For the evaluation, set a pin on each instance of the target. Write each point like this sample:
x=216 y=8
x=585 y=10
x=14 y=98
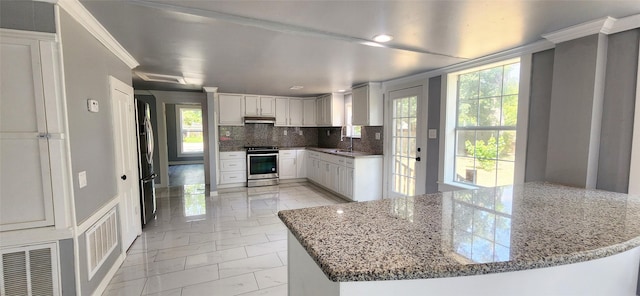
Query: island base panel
x=613 y=275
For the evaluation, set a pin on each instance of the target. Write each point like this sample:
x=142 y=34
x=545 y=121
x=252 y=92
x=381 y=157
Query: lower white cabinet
x=233 y=167
x=291 y=164
x=358 y=179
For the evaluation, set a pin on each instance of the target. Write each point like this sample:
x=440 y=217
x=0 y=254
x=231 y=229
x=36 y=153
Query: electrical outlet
x=377 y=136
x=227 y=133
x=433 y=133
x=328 y=133
x=285 y=132
x=300 y=132
x=82 y=179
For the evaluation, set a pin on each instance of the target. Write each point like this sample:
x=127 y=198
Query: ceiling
x=265 y=47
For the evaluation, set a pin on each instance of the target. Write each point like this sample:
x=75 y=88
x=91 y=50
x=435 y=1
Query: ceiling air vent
x=161 y=78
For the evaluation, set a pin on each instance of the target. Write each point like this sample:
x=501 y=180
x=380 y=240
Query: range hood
x=259 y=119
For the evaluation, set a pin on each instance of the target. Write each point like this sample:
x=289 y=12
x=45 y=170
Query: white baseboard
x=109 y=276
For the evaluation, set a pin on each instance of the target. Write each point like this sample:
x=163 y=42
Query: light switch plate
x=82 y=179
x=377 y=136
x=92 y=106
x=433 y=133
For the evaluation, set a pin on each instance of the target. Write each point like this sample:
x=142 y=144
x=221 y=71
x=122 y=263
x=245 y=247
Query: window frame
x=348 y=117
x=449 y=121
x=179 y=129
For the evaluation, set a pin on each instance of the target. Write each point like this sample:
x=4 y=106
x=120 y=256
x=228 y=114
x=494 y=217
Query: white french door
x=126 y=161
x=405 y=169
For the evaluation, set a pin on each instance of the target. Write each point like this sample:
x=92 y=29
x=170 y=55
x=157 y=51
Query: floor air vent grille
x=102 y=239
x=29 y=271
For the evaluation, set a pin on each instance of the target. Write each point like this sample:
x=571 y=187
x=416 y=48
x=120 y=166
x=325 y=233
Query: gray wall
x=67 y=274
x=433 y=145
x=27 y=15
x=539 y=108
x=574 y=106
x=172 y=136
x=151 y=100
x=87 y=65
x=618 y=111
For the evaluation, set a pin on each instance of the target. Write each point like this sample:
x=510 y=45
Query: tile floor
x=186 y=174
x=230 y=244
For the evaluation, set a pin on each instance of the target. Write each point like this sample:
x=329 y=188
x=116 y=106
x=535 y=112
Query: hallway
x=230 y=244
x=186 y=174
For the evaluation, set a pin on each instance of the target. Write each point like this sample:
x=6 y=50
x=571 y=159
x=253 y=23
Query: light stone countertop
x=468 y=232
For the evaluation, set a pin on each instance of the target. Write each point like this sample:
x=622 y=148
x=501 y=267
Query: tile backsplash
x=233 y=138
x=255 y=134
x=367 y=142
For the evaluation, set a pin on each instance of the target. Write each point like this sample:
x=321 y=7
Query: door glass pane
x=404 y=145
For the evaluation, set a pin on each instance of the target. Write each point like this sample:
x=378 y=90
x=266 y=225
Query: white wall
x=634 y=174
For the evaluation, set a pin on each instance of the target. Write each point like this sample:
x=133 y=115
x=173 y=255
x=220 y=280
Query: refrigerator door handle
x=150 y=143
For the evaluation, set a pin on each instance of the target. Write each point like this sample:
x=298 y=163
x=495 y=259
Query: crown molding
x=89 y=22
x=210 y=89
x=603 y=26
x=626 y=23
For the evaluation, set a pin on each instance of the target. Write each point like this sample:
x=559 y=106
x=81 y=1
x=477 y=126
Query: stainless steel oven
x=262 y=166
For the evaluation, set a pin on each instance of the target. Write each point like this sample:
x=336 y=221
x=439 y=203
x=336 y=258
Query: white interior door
x=126 y=160
x=405 y=169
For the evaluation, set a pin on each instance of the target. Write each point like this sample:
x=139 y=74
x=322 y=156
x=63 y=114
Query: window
x=190 y=136
x=485 y=124
x=352 y=131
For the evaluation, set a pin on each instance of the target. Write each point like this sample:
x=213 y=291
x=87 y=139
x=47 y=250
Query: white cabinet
x=295 y=112
x=259 y=106
x=282 y=112
x=289 y=112
x=357 y=179
x=309 y=111
x=230 y=109
x=233 y=167
x=291 y=164
x=367 y=105
x=330 y=110
x=30 y=135
x=301 y=163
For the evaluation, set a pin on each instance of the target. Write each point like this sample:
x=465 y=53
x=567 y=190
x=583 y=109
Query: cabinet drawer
x=231 y=165
x=233 y=155
x=232 y=177
x=287 y=153
x=349 y=162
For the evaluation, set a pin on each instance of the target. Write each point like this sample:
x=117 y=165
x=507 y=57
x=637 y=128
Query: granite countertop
x=466 y=232
x=336 y=151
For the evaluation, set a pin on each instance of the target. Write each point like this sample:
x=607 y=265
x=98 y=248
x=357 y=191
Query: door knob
x=123 y=177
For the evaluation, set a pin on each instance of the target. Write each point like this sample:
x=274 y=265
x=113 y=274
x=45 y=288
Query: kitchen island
x=532 y=239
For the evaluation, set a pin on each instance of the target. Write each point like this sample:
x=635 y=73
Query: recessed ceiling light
x=382 y=38
x=297 y=87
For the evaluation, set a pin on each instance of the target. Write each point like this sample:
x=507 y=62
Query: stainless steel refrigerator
x=145 y=162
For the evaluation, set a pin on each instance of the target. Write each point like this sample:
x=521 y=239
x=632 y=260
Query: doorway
x=185 y=141
x=405 y=173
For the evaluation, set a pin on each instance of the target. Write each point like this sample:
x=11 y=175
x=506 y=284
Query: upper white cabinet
x=367 y=105
x=282 y=112
x=289 y=112
x=259 y=106
x=230 y=109
x=30 y=135
x=330 y=110
x=295 y=112
x=309 y=113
